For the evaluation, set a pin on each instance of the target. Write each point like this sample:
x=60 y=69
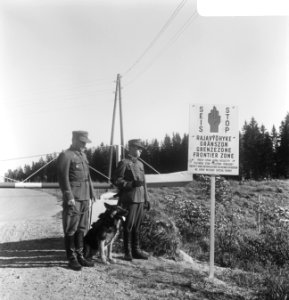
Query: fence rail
x=153 y=180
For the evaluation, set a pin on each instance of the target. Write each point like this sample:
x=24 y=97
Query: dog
x=103 y=233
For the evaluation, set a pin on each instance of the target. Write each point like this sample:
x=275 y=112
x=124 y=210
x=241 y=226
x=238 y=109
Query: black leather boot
x=79 y=250
x=127 y=245
x=70 y=253
x=137 y=253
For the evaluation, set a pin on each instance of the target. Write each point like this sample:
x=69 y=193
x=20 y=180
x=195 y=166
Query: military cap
x=81 y=136
x=136 y=143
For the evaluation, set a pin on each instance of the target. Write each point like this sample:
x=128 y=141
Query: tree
x=251 y=144
x=166 y=155
x=282 y=153
x=275 y=144
x=266 y=155
x=100 y=162
x=151 y=155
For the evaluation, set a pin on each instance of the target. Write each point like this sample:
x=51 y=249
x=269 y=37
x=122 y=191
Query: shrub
x=276 y=284
x=159 y=234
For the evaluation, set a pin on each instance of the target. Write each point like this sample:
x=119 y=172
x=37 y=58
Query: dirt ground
x=33 y=265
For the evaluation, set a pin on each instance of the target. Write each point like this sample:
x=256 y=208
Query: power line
x=163 y=29
x=100 y=173
x=40 y=169
x=144 y=162
x=170 y=43
x=25 y=157
x=9 y=178
x=39 y=155
x=66 y=97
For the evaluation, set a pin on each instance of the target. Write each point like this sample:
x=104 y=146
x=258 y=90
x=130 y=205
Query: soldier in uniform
x=77 y=190
x=129 y=177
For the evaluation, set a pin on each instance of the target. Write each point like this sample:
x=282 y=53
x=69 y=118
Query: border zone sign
x=213 y=139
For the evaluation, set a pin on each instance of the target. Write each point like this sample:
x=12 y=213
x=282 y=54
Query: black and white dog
x=103 y=233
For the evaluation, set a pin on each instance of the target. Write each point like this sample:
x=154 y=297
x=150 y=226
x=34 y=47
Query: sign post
x=213 y=150
x=212 y=228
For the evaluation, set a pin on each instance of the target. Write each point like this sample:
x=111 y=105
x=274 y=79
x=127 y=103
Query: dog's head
x=116 y=212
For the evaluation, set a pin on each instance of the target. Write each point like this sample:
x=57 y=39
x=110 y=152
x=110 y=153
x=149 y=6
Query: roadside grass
x=251 y=229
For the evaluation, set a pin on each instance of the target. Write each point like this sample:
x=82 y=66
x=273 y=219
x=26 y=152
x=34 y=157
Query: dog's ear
x=107 y=206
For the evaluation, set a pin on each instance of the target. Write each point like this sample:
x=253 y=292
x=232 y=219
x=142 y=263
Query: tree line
x=262 y=154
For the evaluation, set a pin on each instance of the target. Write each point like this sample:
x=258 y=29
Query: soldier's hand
x=147 y=205
x=137 y=183
x=71 y=202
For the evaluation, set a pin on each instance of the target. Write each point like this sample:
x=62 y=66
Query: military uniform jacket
x=73 y=175
x=127 y=171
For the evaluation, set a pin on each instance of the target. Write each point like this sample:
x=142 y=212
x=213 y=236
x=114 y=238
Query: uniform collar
x=72 y=148
x=132 y=158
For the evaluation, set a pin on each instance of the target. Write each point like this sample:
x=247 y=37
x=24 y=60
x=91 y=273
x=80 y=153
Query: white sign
x=213 y=140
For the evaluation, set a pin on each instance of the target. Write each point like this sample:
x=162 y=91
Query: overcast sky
x=59 y=62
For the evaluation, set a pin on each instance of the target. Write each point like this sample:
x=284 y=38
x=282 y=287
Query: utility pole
x=117 y=97
x=120 y=119
x=112 y=129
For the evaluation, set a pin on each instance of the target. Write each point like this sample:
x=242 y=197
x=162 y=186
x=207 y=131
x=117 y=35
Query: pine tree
x=100 y=162
x=251 y=150
x=166 y=155
x=283 y=149
x=184 y=152
x=266 y=154
x=275 y=144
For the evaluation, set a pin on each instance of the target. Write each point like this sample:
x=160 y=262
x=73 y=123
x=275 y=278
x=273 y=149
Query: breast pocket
x=76 y=165
x=77 y=172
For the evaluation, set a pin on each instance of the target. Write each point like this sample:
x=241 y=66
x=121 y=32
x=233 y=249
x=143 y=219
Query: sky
x=59 y=63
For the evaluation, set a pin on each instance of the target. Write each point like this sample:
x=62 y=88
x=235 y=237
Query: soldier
x=129 y=177
x=77 y=190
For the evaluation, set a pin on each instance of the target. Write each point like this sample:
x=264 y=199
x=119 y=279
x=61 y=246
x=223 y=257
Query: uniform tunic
x=131 y=198
x=75 y=183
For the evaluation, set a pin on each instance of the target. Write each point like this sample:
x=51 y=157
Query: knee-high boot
x=127 y=245
x=136 y=251
x=79 y=250
x=70 y=253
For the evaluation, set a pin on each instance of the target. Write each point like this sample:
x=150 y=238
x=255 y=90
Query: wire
x=65 y=107
x=57 y=90
x=163 y=29
x=40 y=169
x=9 y=178
x=64 y=97
x=24 y=157
x=170 y=43
x=99 y=172
x=38 y=155
x=147 y=164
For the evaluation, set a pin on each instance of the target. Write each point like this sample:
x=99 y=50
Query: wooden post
x=259 y=213
x=112 y=129
x=121 y=119
x=212 y=228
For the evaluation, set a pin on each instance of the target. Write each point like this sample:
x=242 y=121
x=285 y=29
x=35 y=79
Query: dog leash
x=90 y=213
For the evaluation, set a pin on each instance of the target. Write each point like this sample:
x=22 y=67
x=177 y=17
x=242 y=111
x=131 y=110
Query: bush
x=276 y=284
x=159 y=235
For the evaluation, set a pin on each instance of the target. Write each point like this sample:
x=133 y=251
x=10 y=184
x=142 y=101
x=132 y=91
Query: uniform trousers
x=135 y=216
x=75 y=217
